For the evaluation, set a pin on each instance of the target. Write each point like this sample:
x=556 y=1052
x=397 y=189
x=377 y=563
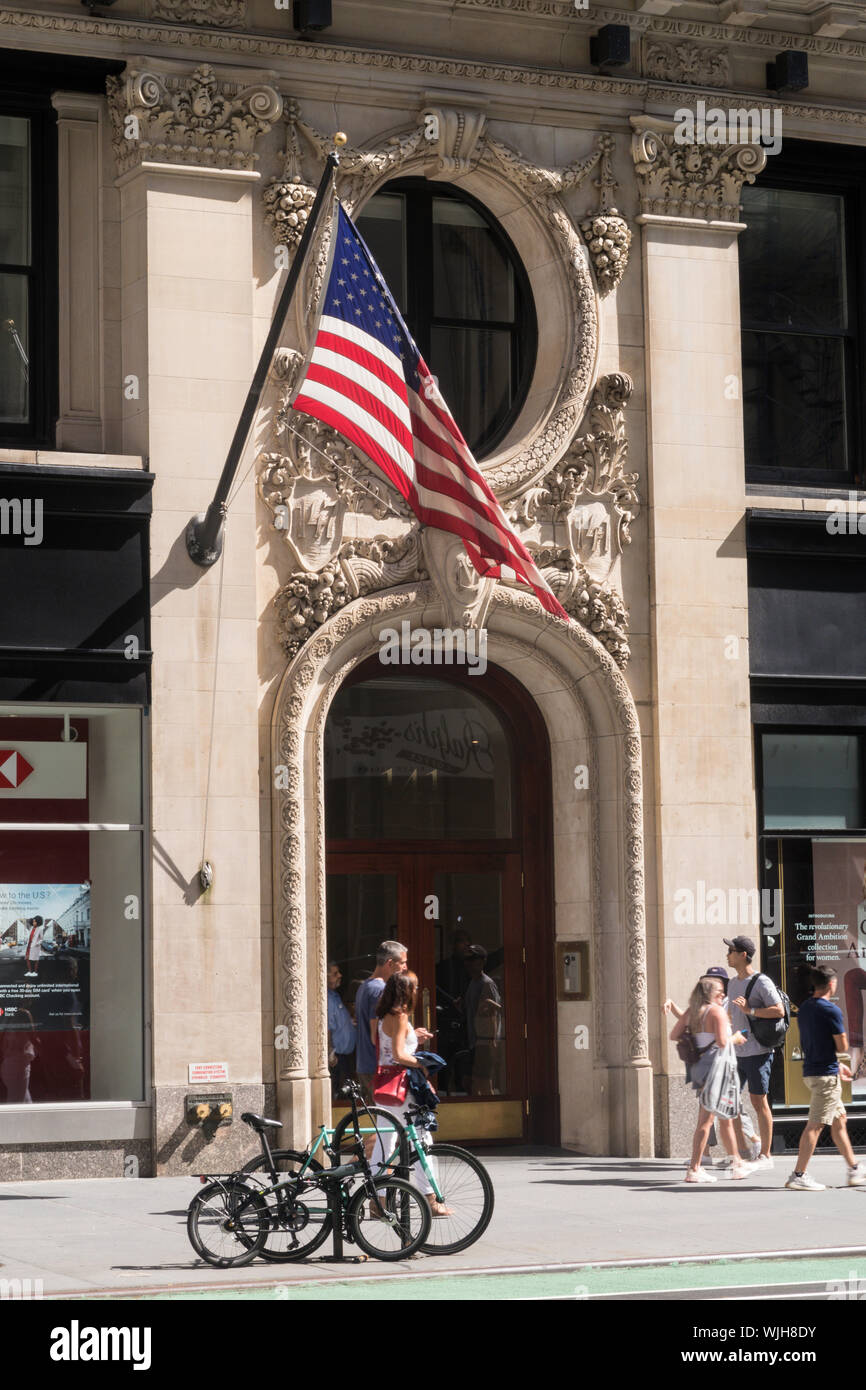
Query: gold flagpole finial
x=341 y=139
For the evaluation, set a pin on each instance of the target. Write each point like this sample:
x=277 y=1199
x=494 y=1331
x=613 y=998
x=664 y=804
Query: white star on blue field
x=357 y=294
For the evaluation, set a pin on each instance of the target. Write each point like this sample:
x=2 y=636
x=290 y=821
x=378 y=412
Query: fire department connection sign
x=200 y=1072
x=43 y=771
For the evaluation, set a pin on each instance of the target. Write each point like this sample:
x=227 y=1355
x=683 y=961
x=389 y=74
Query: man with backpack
x=756 y=1007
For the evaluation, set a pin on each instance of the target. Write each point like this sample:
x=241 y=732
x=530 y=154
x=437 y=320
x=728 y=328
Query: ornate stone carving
x=607 y=235
x=361 y=171
x=298 y=910
x=689 y=180
x=194 y=119
x=537 y=181
x=692 y=63
x=466 y=596
x=225 y=14
x=576 y=521
x=362 y=567
x=452 y=137
x=288 y=199
x=311 y=487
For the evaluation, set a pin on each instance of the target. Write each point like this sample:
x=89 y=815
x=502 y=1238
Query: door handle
x=425 y=1006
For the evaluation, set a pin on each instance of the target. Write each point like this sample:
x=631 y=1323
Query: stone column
x=184 y=143
x=705 y=806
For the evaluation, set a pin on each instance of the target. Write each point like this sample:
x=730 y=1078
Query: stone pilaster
x=705 y=812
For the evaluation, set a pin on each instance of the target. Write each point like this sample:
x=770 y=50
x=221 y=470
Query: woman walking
x=397 y=1042
x=713 y=1075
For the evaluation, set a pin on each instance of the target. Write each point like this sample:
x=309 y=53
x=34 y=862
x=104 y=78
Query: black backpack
x=770 y=1032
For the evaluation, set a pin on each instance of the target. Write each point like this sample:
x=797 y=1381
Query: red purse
x=390 y=1086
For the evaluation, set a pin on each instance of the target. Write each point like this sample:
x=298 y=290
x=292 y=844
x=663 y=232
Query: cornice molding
x=138 y=32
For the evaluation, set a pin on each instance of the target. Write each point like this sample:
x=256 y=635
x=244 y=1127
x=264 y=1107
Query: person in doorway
x=753 y=995
x=342 y=1036
x=33 y=953
x=713 y=1076
x=483 y=1005
x=825 y=1054
x=391 y=959
x=451 y=982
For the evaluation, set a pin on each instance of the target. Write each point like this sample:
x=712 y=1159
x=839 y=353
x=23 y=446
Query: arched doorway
x=438 y=832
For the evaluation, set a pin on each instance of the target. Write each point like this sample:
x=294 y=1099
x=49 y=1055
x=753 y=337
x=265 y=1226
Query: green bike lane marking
x=577 y=1283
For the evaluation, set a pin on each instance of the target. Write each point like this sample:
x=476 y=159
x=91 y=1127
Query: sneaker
x=740 y=1170
x=857 y=1176
x=763 y=1161
x=801 y=1182
x=700 y=1176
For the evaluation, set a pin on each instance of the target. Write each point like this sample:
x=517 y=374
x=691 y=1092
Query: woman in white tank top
x=710 y=1027
x=398 y=1042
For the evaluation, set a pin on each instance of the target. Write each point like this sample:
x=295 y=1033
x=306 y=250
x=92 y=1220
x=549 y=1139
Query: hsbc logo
x=14 y=769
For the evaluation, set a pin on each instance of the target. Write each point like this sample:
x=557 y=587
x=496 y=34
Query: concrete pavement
x=552 y=1210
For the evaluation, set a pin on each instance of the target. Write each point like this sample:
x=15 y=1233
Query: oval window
x=465 y=296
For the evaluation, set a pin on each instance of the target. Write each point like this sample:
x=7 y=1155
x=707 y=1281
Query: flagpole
x=204 y=533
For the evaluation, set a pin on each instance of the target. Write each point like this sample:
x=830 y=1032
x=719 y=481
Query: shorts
x=825 y=1105
x=754 y=1073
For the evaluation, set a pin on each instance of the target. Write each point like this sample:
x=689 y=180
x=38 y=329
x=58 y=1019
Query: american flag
x=366 y=378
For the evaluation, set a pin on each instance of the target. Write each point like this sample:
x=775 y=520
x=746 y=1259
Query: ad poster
x=834 y=933
x=44 y=992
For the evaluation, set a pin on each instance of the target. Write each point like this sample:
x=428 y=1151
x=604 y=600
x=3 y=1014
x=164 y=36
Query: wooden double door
x=440 y=903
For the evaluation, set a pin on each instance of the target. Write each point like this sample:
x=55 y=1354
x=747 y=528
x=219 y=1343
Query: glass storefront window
x=812 y=781
x=71 y=905
x=818 y=918
x=415 y=759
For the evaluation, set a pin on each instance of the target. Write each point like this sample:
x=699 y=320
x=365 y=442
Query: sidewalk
x=551 y=1209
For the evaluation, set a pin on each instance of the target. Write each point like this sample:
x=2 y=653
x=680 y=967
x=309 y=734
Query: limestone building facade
x=608 y=800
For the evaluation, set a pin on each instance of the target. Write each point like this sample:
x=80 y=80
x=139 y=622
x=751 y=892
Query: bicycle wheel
x=381 y=1131
x=298 y=1224
x=466 y=1189
x=227 y=1224
x=400 y=1230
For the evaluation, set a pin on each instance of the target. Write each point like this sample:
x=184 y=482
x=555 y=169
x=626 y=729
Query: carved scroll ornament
x=195 y=119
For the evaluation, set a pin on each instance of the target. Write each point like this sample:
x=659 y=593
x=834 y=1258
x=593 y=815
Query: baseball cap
x=741 y=943
x=715 y=972
x=475 y=951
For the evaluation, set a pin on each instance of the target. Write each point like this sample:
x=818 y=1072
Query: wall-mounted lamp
x=788 y=72
x=611 y=46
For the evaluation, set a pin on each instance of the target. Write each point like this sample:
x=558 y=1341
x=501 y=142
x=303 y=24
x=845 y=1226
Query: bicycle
x=386 y=1217
x=458 y=1179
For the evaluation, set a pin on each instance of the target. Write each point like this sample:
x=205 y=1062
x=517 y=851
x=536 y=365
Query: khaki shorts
x=826 y=1103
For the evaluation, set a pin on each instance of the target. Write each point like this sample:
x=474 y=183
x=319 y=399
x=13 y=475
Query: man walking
x=825 y=1053
x=391 y=959
x=752 y=995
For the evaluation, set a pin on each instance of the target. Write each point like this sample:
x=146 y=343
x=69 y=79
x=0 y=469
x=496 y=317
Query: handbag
x=688 y=1050
x=390 y=1086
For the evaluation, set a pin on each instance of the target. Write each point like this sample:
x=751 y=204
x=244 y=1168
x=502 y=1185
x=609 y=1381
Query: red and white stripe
x=357 y=385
